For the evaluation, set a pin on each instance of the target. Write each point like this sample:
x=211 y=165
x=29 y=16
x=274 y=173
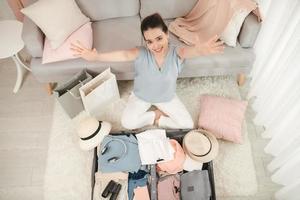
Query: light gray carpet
x=67 y=172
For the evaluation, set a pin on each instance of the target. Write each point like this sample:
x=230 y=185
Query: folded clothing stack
x=154 y=147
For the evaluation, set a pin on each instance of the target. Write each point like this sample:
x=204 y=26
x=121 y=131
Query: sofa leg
x=49 y=88
x=241 y=79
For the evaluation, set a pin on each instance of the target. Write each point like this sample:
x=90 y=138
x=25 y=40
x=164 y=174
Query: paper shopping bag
x=99 y=93
x=68 y=94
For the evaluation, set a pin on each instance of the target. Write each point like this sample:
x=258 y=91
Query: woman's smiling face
x=156 y=40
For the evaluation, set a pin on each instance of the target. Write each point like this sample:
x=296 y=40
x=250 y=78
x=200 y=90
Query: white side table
x=10 y=44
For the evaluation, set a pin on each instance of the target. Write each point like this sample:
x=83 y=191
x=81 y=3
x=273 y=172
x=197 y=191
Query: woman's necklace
x=160 y=60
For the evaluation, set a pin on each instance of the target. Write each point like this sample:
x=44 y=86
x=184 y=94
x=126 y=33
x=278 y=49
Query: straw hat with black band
x=91 y=132
x=200 y=145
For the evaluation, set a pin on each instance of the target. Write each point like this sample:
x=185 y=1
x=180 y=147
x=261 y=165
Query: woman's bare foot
x=158 y=114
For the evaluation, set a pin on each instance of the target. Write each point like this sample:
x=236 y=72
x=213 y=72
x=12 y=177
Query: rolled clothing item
x=102 y=179
x=175 y=165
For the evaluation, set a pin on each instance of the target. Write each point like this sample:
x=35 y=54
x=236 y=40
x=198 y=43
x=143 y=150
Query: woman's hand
x=81 y=51
x=212 y=46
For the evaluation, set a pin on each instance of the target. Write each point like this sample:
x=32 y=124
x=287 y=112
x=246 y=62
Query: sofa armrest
x=249 y=31
x=33 y=38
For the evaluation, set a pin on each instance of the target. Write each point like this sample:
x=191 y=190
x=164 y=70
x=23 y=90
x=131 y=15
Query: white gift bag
x=100 y=92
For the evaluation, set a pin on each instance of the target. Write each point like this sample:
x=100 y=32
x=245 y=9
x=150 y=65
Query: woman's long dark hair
x=153 y=21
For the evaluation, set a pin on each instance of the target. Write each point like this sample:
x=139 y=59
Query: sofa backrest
x=106 y=9
x=168 y=9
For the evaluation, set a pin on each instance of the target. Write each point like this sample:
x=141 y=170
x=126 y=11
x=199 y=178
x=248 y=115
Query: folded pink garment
x=168 y=188
x=208 y=18
x=141 y=193
x=175 y=165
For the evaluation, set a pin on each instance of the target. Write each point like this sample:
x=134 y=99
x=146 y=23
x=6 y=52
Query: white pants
x=136 y=114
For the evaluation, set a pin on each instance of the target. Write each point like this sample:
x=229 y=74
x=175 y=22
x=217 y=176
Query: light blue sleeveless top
x=150 y=83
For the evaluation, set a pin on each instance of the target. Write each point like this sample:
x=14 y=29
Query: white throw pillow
x=56 y=18
x=233 y=28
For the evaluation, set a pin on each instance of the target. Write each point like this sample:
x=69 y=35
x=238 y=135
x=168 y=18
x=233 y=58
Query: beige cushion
x=56 y=18
x=232 y=30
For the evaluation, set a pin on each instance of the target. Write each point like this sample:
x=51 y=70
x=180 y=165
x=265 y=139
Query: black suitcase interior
x=172 y=134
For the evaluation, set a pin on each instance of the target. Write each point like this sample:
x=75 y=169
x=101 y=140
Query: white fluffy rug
x=68 y=168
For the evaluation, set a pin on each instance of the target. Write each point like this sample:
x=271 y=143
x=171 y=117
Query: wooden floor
x=25 y=119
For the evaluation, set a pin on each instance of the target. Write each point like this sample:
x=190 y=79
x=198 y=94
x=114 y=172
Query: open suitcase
x=152 y=185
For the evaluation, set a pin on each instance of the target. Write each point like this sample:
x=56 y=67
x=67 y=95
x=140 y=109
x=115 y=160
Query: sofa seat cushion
x=117 y=34
x=64 y=70
x=232 y=61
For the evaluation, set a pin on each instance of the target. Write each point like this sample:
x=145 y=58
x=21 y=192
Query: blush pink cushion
x=84 y=34
x=222 y=116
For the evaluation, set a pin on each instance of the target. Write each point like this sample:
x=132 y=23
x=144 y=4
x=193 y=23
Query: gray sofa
x=116 y=25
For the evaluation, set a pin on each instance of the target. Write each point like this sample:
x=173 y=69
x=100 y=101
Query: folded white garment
x=154 y=147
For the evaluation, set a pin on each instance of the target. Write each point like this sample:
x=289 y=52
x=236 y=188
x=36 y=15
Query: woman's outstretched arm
x=113 y=56
x=212 y=46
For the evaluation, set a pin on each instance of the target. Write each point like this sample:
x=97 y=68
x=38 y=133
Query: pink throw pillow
x=84 y=34
x=222 y=116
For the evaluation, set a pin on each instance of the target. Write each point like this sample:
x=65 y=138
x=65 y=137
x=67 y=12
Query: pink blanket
x=209 y=18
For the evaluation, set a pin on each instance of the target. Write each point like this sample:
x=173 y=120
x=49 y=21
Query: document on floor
x=154 y=146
